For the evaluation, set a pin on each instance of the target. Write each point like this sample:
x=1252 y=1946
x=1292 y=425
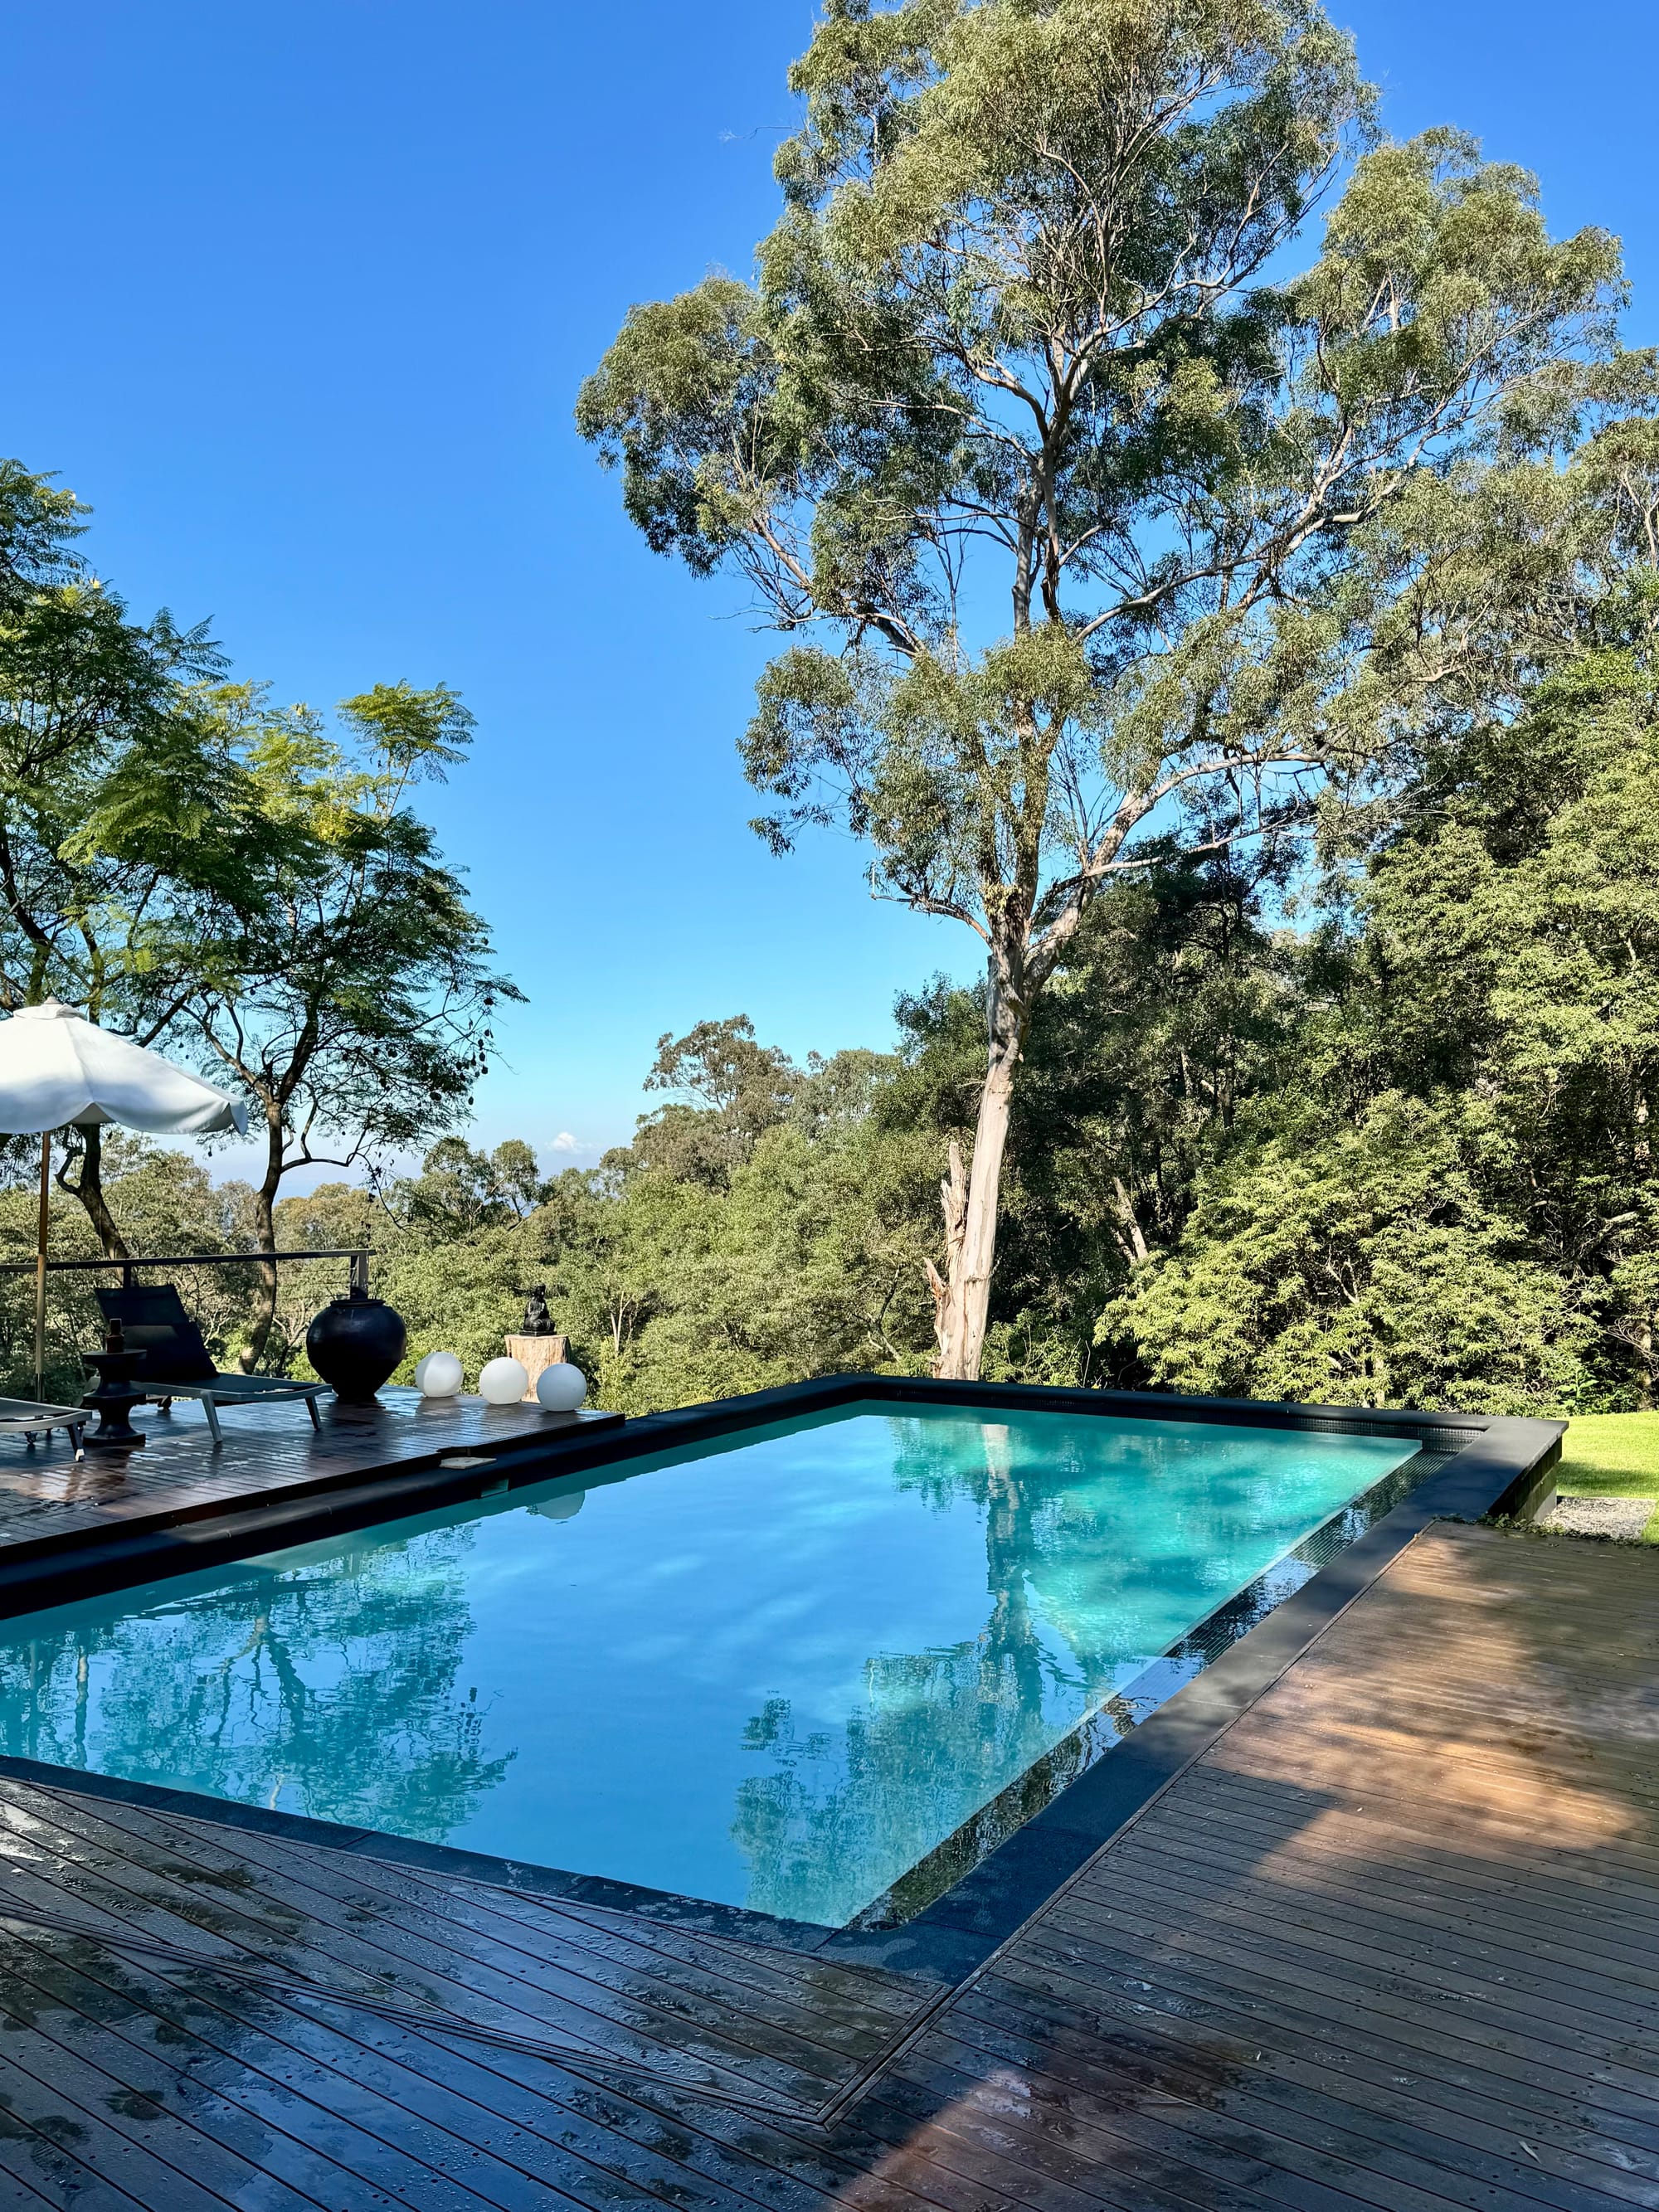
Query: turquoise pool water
x=776 y=1673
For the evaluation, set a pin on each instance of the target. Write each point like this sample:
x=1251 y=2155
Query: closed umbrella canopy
x=57 y=1068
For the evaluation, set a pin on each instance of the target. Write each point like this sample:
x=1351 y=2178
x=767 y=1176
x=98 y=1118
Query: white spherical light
x=504 y=1381
x=561 y=1388
x=440 y=1375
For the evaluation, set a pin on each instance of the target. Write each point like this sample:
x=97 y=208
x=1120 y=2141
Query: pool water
x=776 y=1671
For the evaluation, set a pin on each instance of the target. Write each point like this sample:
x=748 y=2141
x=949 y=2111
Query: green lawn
x=1612 y=1455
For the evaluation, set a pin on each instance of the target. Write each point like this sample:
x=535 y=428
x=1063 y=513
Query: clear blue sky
x=299 y=297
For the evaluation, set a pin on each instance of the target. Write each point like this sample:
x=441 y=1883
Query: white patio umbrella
x=57 y=1069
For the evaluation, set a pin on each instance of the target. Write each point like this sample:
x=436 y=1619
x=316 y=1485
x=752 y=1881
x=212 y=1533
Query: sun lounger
x=22 y=1417
x=178 y=1364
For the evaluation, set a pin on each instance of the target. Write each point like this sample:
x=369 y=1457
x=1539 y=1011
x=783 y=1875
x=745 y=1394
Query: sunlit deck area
x=1387 y=1940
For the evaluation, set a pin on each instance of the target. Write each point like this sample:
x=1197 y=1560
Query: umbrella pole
x=40 y=1266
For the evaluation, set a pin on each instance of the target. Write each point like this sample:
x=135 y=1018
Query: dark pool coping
x=1500 y=1465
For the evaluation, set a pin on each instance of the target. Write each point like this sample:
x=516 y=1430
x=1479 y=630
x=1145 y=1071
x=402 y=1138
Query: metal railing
x=358 y=1255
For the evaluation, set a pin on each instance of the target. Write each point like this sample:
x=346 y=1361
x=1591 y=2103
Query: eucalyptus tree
x=726 y=1091
x=1095 y=533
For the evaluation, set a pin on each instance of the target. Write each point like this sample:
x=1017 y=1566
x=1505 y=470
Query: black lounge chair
x=178 y=1364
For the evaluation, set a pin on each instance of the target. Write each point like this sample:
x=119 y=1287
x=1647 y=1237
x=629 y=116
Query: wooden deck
x=1389 y=1943
x=49 y=1503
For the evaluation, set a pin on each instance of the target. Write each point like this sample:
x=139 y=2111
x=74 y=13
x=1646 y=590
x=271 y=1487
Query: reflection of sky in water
x=777 y=1676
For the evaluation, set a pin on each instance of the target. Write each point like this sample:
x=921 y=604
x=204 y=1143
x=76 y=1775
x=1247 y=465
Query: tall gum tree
x=1096 y=535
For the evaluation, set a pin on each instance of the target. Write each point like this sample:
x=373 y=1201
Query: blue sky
x=299 y=300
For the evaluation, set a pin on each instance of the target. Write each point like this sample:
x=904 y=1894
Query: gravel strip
x=1625 y=1517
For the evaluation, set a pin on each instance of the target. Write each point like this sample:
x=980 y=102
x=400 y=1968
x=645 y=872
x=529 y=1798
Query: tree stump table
x=536 y=1353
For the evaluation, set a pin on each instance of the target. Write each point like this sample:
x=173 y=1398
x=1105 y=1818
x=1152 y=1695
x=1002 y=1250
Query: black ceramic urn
x=354 y=1343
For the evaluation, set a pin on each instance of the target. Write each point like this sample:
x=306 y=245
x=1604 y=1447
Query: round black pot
x=354 y=1343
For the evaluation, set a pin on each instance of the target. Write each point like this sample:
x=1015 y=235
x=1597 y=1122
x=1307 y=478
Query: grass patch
x=1612 y=1455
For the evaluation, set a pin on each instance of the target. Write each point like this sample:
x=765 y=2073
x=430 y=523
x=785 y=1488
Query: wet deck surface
x=48 y=1501
x=1389 y=1943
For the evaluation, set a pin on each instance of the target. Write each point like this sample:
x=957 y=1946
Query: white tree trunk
x=962 y=1297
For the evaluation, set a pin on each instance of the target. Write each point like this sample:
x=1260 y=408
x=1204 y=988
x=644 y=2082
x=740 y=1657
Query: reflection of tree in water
x=1085 y=1585
x=333 y=1687
x=842 y=1811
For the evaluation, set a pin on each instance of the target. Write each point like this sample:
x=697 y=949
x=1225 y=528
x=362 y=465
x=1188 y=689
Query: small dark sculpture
x=537 y=1321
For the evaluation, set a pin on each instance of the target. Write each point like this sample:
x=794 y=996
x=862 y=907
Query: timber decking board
x=391 y=1958
x=47 y=1500
x=1387 y=1945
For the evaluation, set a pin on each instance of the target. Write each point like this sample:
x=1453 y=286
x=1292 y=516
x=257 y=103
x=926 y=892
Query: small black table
x=117 y=1393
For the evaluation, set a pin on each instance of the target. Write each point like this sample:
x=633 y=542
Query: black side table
x=116 y=1395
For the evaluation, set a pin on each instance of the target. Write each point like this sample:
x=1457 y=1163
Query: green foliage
x=39 y=524
x=345 y=979
x=1015 y=314
x=773 y=1229
x=1107 y=538
x=728 y=1090
x=1398 y=1154
x=809 y=1262
x=93 y=707
x=247 y=886
x=1359 y=1267
x=460 y=1190
x=1451 y=1200
x=1247 y=634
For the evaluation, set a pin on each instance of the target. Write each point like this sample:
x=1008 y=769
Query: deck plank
x=1123 y=2071
x=1443 y=1956
x=390 y=2133
x=181 y=2075
x=1124 y=2059
x=1108 y=2008
x=628 y=2037
x=346 y=1934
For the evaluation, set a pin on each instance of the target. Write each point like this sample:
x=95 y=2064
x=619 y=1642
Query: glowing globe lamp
x=439 y=1375
x=504 y=1381
x=561 y=1388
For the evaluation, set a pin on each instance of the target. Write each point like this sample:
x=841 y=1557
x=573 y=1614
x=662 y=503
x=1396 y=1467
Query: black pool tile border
x=1497 y=1465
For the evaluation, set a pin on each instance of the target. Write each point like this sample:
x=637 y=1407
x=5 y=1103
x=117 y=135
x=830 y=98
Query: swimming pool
x=776 y=1671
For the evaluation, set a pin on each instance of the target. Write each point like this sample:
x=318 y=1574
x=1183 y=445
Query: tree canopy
x=1394 y=1147
x=1093 y=532
x=1216 y=550
x=241 y=885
